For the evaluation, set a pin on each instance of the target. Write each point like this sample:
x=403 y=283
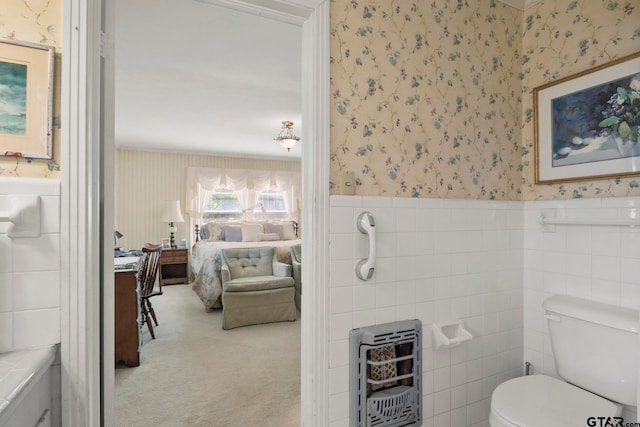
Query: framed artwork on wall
x=587 y=125
x=26 y=99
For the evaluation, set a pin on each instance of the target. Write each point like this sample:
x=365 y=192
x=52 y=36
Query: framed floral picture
x=26 y=99
x=587 y=125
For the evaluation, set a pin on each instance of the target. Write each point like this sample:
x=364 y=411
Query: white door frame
x=80 y=218
x=87 y=217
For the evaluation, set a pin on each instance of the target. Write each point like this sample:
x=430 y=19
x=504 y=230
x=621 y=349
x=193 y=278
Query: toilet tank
x=595 y=346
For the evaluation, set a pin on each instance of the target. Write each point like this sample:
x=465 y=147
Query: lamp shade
x=288 y=143
x=172 y=212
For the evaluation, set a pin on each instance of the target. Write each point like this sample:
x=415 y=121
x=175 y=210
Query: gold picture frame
x=586 y=126
x=26 y=99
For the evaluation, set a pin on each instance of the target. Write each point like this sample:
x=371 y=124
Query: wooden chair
x=146 y=277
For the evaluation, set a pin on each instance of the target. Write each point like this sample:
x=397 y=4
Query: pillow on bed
x=251 y=232
x=260 y=223
x=269 y=237
x=270 y=228
x=204 y=232
x=214 y=230
x=232 y=233
x=288 y=232
x=284 y=229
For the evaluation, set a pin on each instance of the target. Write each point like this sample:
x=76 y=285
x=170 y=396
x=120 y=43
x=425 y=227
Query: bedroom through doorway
x=183 y=380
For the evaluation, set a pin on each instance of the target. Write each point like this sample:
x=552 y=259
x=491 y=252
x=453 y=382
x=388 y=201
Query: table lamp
x=172 y=214
x=116 y=235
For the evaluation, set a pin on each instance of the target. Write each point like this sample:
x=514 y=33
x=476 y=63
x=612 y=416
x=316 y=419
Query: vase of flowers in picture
x=622 y=118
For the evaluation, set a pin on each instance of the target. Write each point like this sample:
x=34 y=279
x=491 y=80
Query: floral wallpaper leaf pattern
x=564 y=38
x=422 y=107
x=433 y=99
x=35 y=21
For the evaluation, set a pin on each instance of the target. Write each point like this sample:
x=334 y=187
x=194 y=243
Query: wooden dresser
x=127 y=330
x=174 y=266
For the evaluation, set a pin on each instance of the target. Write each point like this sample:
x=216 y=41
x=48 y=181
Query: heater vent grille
x=383 y=409
x=386 y=375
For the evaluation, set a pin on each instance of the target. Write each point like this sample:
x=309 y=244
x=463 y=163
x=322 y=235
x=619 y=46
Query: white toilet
x=595 y=348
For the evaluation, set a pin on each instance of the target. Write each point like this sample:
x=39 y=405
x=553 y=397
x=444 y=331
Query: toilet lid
x=540 y=400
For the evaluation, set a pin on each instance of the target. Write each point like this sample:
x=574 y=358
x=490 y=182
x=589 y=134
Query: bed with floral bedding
x=212 y=237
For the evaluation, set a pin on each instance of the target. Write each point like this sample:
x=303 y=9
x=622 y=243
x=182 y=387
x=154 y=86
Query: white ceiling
x=195 y=77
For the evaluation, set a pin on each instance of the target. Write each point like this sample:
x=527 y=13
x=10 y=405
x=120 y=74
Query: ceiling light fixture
x=286 y=137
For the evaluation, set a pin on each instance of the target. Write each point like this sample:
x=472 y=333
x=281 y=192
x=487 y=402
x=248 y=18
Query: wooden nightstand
x=174 y=266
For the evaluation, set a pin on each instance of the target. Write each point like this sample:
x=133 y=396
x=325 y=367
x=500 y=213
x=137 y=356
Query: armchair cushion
x=257 y=283
x=248 y=262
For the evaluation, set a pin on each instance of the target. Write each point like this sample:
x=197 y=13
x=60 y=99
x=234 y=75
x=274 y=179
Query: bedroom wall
x=145 y=179
x=41 y=23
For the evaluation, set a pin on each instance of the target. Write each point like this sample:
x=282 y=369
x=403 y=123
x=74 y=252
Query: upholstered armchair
x=256 y=288
x=296 y=264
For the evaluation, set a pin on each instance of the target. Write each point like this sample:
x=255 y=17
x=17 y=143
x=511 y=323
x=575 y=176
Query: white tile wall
x=594 y=262
x=489 y=263
x=30 y=271
x=437 y=260
x=601 y=263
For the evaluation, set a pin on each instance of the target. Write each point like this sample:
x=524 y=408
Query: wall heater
x=386 y=374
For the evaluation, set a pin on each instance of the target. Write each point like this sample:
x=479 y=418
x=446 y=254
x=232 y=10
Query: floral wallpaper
x=426 y=98
x=561 y=38
x=35 y=21
x=434 y=99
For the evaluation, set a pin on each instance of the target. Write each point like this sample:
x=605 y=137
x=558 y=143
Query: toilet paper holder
x=449 y=334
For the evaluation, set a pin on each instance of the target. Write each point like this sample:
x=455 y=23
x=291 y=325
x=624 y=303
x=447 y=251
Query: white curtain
x=247 y=199
x=246 y=183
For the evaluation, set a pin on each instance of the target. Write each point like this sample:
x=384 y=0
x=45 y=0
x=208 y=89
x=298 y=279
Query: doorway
x=85 y=190
x=215 y=72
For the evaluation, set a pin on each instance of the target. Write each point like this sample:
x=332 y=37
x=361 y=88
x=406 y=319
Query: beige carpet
x=196 y=374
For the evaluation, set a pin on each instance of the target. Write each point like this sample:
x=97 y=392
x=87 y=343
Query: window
x=224 y=205
x=273 y=203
